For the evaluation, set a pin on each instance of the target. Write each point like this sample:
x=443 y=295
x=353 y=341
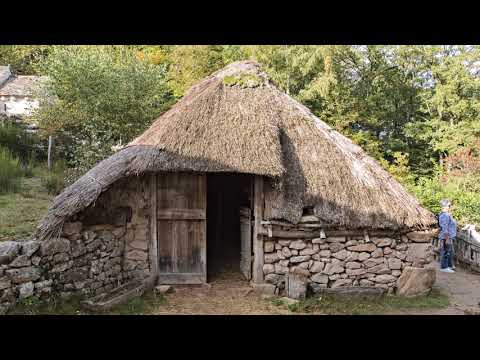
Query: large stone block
x=30 y=247
x=363 y=248
x=416 y=281
x=420 y=253
x=421 y=236
x=23 y=275
x=338 y=239
x=385 y=279
x=8 y=251
x=268 y=269
x=331 y=269
x=71 y=228
x=298 y=245
x=54 y=246
x=336 y=247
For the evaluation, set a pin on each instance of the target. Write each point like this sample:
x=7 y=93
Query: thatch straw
x=236 y=120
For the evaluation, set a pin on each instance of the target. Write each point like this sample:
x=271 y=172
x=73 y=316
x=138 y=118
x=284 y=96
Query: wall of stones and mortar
x=345 y=260
x=99 y=249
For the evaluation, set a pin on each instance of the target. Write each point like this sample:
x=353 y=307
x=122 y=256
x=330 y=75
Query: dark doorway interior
x=226 y=194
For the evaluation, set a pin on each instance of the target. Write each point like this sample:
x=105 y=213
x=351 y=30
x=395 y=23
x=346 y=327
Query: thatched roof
x=22 y=85
x=236 y=120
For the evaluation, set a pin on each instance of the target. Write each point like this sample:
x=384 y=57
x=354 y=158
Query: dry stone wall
x=337 y=261
x=98 y=250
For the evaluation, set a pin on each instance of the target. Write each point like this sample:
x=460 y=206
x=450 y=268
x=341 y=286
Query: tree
x=99 y=97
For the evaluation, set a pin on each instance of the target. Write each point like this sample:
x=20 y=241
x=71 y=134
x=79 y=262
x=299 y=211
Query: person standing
x=448 y=232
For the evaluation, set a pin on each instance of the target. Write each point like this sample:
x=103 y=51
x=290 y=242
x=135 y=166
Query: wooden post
x=153 y=226
x=49 y=161
x=257 y=237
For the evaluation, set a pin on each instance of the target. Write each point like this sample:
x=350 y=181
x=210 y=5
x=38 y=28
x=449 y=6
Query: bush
x=20 y=143
x=54 y=180
x=10 y=172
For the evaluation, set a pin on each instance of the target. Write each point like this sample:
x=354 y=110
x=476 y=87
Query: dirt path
x=231 y=294
x=463 y=288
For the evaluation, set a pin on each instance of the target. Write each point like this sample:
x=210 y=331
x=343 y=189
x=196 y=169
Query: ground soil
x=230 y=294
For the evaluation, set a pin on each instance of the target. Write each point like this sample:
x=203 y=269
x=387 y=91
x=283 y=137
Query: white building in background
x=18 y=93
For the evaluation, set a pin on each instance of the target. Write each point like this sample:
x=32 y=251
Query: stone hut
x=236 y=175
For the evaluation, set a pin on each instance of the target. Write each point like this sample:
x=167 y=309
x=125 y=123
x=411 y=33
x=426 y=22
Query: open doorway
x=229 y=197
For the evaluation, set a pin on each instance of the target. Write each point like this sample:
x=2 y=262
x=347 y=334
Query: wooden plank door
x=181 y=228
x=246 y=243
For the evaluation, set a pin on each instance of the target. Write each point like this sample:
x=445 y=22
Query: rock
x=94 y=245
x=270 y=258
x=89 y=236
x=415 y=281
x=377 y=253
x=304 y=265
x=319 y=241
x=286 y=252
x=71 y=228
x=324 y=246
x=316 y=287
x=36 y=260
x=317 y=266
x=363 y=248
x=268 y=246
x=394 y=263
x=61 y=257
x=472 y=311
x=400 y=255
x=278 y=246
x=384 y=279
x=43 y=284
x=137 y=255
x=284 y=242
x=372 y=262
x=421 y=236
x=325 y=253
x=297 y=259
x=297 y=245
x=21 y=261
x=365 y=282
x=341 y=255
x=281 y=269
x=316 y=247
x=363 y=256
x=280 y=255
x=54 y=246
x=336 y=247
x=338 y=239
x=331 y=269
x=60 y=267
x=355 y=272
x=402 y=247
x=268 y=269
x=25 y=290
x=382 y=242
x=8 y=251
x=5 y=283
x=265 y=289
x=353 y=265
x=23 y=275
x=274 y=279
x=30 y=247
x=420 y=253
x=396 y=272
x=352 y=256
x=285 y=262
x=299 y=270
x=379 y=269
x=307 y=252
x=164 y=289
x=296 y=285
x=387 y=251
x=342 y=282
x=320 y=278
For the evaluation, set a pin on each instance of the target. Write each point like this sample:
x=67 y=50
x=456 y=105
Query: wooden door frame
x=257 y=238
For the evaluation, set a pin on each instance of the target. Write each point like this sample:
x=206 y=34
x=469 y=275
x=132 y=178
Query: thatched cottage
x=236 y=174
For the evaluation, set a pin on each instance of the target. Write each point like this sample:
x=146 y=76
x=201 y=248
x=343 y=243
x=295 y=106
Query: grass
x=343 y=305
x=56 y=306
x=20 y=211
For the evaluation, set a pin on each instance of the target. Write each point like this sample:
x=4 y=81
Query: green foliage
x=99 y=97
x=243 y=80
x=356 y=305
x=10 y=172
x=23 y=58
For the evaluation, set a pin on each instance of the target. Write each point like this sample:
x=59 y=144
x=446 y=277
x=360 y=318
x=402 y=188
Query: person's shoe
x=447 y=270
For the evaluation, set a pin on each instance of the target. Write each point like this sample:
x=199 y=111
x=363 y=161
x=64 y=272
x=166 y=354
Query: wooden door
x=181 y=228
x=246 y=242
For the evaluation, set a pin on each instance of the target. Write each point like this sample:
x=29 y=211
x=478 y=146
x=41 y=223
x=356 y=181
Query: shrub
x=10 y=172
x=54 y=180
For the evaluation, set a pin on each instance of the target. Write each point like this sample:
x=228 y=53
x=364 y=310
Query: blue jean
x=446 y=252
